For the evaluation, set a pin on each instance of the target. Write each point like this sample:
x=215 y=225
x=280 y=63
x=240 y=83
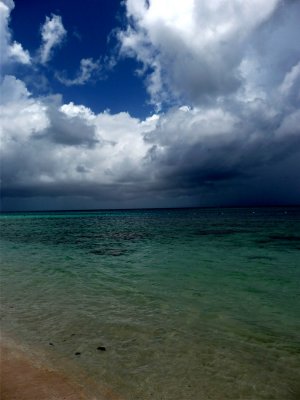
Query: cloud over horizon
x=224 y=81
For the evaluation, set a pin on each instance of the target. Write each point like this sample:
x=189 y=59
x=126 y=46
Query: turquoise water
x=189 y=304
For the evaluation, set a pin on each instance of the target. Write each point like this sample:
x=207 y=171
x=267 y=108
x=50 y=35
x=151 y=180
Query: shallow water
x=189 y=304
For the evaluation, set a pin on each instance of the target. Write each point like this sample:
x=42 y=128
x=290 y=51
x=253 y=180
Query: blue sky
x=90 y=34
x=158 y=103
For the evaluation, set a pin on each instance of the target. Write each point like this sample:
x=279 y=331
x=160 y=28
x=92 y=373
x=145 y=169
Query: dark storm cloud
x=64 y=188
x=233 y=153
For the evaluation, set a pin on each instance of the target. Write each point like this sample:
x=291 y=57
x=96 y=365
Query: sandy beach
x=22 y=377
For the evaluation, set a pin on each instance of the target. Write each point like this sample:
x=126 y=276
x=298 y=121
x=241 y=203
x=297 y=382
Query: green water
x=189 y=304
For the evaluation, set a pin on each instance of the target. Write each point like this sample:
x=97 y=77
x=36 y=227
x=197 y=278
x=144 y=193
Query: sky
x=157 y=103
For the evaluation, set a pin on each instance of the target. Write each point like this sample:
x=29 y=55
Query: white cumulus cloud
x=10 y=51
x=192 y=48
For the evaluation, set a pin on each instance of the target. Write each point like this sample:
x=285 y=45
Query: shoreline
x=25 y=377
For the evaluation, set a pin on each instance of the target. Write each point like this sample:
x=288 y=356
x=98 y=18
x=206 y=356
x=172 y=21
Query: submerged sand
x=23 y=378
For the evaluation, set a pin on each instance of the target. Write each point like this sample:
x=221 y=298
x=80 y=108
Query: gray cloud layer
x=230 y=73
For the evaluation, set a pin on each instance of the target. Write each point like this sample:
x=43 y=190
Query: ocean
x=168 y=304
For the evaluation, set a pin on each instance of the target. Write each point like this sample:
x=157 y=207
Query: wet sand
x=24 y=378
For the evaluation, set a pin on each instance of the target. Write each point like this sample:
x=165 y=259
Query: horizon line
x=151 y=208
